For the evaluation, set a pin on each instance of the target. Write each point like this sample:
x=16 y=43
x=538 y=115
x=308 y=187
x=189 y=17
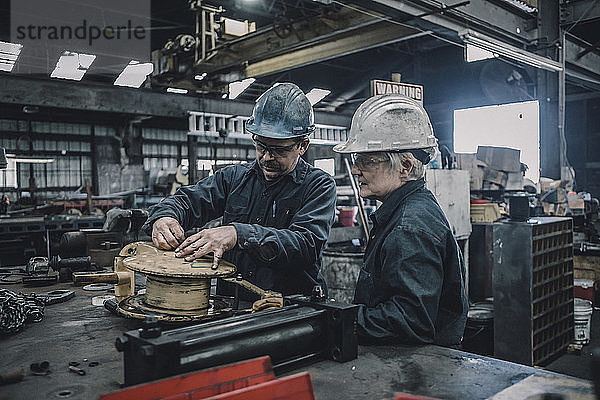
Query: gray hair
x=418 y=170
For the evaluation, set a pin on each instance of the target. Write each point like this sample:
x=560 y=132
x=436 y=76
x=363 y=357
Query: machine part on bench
x=12 y=376
x=76 y=370
x=98 y=287
x=40 y=280
x=99 y=300
x=56 y=296
x=42 y=368
x=136 y=307
x=37 y=266
x=177 y=291
x=298 y=331
x=75 y=264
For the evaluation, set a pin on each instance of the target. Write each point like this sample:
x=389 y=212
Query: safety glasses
x=275 y=151
x=364 y=161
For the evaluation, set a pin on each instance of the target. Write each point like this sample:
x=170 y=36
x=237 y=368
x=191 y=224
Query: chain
x=17 y=309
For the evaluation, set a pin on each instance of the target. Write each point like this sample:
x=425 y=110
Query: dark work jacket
x=281 y=228
x=410 y=289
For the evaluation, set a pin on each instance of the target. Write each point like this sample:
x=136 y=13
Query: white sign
x=407 y=89
x=115 y=31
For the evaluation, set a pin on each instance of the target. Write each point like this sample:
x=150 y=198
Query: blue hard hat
x=282 y=112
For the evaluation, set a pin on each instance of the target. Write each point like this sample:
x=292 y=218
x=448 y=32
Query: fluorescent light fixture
x=474 y=53
x=236 y=88
x=176 y=90
x=200 y=77
x=234 y=27
x=9 y=52
x=29 y=159
x=72 y=65
x=503 y=49
x=316 y=95
x=134 y=74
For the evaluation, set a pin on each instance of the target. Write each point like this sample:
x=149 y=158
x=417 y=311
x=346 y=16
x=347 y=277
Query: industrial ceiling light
x=235 y=27
x=200 y=77
x=316 y=95
x=29 y=159
x=503 y=49
x=176 y=90
x=474 y=53
x=134 y=74
x=236 y=88
x=72 y=65
x=9 y=52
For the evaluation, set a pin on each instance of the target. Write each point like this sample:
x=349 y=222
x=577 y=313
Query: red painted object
x=202 y=384
x=295 y=387
x=584 y=289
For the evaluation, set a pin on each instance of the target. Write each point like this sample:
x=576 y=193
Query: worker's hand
x=213 y=240
x=167 y=233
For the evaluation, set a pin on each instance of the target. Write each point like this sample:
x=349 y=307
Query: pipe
x=361 y=208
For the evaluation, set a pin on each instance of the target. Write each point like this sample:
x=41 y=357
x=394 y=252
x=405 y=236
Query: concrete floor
x=579 y=364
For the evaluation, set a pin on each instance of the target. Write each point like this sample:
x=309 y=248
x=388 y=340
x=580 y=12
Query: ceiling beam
x=480 y=15
x=510 y=27
x=577 y=59
x=273 y=41
x=79 y=96
x=576 y=12
x=372 y=36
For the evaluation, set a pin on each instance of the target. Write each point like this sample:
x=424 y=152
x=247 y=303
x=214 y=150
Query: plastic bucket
x=583 y=320
x=584 y=289
x=346 y=216
x=479 y=330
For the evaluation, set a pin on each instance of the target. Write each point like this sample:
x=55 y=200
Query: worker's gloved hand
x=213 y=240
x=268 y=303
x=167 y=233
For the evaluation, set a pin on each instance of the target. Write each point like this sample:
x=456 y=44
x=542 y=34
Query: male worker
x=410 y=289
x=277 y=210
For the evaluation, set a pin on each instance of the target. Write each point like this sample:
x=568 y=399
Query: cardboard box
x=500 y=158
x=469 y=162
x=494 y=176
x=514 y=181
x=547 y=184
x=576 y=204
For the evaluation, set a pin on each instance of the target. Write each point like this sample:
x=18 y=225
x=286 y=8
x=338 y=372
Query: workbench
x=76 y=330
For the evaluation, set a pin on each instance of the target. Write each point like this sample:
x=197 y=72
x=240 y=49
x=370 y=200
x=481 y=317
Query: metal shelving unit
x=533 y=289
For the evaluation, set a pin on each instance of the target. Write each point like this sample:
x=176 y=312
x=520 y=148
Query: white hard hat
x=388 y=122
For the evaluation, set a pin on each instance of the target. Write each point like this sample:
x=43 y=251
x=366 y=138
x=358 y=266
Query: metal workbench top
x=77 y=330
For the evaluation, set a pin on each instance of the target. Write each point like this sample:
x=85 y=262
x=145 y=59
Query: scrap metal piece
x=76 y=370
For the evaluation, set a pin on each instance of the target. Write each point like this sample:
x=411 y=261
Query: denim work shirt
x=410 y=289
x=281 y=226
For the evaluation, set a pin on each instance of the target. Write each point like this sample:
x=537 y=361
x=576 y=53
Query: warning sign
x=407 y=89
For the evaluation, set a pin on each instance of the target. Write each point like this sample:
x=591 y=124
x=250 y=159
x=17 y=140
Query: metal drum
x=341 y=267
x=479 y=331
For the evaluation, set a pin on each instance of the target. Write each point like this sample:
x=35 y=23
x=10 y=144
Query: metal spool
x=176 y=290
